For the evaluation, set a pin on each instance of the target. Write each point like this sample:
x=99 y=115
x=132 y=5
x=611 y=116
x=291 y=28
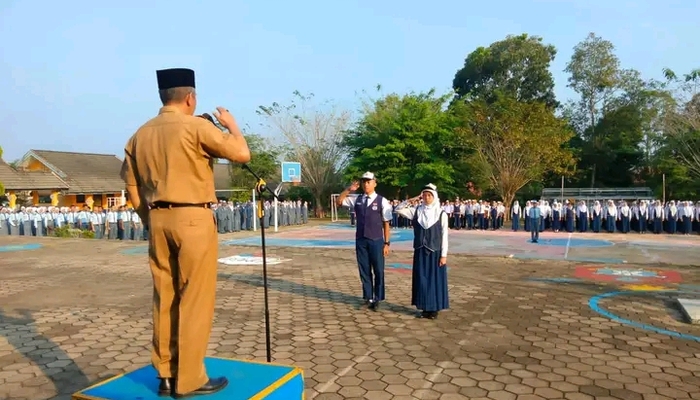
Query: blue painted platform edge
x=293 y=380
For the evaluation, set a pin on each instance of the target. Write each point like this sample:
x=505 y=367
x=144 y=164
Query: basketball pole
x=260 y=188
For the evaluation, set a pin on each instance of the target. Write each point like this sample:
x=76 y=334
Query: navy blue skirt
x=429 y=281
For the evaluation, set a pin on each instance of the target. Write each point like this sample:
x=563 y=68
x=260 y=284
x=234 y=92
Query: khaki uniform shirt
x=170 y=158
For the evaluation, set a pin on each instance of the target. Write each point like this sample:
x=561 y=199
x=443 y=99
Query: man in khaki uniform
x=170 y=182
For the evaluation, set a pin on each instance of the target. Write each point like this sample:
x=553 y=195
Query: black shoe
x=432 y=315
x=422 y=314
x=166 y=387
x=212 y=386
x=374 y=305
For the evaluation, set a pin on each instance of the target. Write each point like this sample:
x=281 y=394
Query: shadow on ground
x=285 y=286
x=21 y=333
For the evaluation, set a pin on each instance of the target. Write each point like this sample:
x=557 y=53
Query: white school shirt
x=408 y=212
x=387 y=209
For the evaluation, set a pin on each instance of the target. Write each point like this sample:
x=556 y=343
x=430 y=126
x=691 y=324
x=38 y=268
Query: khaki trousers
x=183 y=252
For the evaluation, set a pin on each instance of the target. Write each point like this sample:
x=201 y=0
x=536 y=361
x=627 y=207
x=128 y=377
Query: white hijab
x=429 y=214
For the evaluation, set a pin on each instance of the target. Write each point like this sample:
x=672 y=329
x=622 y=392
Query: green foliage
x=615 y=150
x=407 y=141
x=66 y=231
x=680 y=183
x=299 y=193
x=622 y=122
x=516 y=67
x=241 y=196
x=265 y=159
x=498 y=136
x=682 y=122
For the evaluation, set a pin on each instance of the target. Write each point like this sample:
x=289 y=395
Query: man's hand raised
x=226 y=119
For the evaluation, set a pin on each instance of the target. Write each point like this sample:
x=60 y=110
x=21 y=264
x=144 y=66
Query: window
x=114 y=201
x=80 y=198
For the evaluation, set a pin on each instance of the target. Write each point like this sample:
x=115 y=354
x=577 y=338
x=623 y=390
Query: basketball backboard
x=291 y=172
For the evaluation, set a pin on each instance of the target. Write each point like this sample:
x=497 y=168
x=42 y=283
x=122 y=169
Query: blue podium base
x=247 y=380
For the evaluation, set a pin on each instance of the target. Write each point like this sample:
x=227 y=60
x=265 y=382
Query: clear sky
x=79 y=76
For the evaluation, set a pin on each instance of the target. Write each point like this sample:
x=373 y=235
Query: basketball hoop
x=296 y=181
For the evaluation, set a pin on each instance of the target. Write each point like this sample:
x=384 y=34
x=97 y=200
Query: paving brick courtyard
x=76 y=311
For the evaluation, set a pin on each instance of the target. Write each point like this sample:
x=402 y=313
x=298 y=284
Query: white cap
x=368 y=175
x=429 y=187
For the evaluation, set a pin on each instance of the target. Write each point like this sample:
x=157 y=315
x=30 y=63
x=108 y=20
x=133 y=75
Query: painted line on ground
x=594 y=304
x=20 y=247
x=568 y=243
x=343 y=372
x=653 y=257
x=558 y=257
x=429 y=382
x=556 y=280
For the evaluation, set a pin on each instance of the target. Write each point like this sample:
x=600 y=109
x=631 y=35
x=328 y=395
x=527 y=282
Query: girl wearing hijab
x=624 y=216
x=528 y=206
x=582 y=215
x=671 y=217
x=687 y=218
x=556 y=216
x=515 y=212
x=642 y=217
x=430 y=234
x=658 y=217
x=570 y=217
x=596 y=214
x=610 y=217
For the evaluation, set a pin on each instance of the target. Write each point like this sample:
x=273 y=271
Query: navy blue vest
x=430 y=238
x=370 y=221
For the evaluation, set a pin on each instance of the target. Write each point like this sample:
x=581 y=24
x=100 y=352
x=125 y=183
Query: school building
x=65 y=179
x=62 y=178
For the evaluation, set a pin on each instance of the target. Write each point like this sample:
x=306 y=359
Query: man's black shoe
x=166 y=387
x=214 y=385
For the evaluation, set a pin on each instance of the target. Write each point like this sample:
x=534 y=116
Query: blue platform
x=248 y=380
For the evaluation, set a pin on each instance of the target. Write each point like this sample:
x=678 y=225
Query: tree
x=264 y=161
x=408 y=140
x=314 y=136
x=517 y=67
x=515 y=142
x=683 y=122
x=614 y=115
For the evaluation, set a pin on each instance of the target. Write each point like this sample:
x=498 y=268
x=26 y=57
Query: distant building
x=66 y=178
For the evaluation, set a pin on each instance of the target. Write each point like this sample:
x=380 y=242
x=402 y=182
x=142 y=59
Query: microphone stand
x=260 y=188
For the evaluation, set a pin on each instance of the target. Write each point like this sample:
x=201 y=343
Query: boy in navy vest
x=373 y=214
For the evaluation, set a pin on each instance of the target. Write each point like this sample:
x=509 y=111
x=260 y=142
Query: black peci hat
x=175 y=77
